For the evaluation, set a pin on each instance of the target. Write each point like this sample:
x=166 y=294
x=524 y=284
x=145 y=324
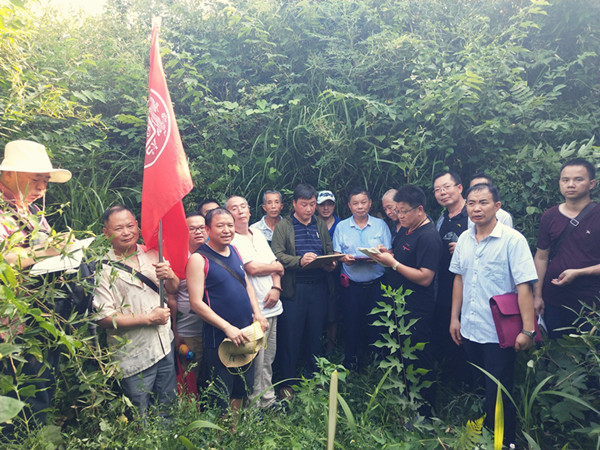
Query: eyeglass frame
x=404 y=213
x=444 y=188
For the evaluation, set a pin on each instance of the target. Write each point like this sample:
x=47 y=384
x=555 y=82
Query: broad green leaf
x=9 y=408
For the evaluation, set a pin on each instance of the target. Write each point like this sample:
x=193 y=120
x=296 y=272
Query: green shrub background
x=270 y=93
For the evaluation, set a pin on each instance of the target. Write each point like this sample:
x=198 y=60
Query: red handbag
x=507 y=318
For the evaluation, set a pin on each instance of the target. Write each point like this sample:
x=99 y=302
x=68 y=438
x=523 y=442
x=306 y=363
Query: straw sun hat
x=232 y=356
x=31 y=157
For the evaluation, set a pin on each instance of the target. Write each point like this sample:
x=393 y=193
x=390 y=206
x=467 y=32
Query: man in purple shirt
x=567 y=259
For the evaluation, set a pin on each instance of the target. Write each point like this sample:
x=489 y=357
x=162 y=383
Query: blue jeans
x=155 y=385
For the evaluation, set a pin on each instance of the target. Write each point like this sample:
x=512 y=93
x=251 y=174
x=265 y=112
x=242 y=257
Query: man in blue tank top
x=225 y=300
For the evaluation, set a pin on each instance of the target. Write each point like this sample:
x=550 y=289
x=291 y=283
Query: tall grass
x=101 y=184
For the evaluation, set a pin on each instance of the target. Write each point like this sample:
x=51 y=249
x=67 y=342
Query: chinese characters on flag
x=167 y=176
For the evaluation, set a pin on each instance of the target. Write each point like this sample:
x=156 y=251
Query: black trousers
x=500 y=362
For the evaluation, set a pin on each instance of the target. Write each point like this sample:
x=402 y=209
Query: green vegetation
x=269 y=93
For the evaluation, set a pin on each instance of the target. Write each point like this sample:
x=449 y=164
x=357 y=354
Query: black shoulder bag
x=212 y=258
x=139 y=275
x=573 y=223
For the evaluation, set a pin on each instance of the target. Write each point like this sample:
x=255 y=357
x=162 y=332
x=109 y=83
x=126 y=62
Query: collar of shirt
x=263 y=222
x=463 y=212
x=496 y=232
x=353 y=223
x=313 y=220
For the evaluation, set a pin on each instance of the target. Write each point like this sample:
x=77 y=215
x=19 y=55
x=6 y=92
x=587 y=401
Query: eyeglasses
x=196 y=229
x=444 y=188
x=403 y=213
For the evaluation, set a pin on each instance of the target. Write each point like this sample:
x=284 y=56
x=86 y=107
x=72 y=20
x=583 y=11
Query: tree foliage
x=270 y=93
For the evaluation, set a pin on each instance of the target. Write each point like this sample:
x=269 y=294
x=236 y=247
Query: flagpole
x=161 y=284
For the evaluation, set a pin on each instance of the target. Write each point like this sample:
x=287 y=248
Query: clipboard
x=320 y=261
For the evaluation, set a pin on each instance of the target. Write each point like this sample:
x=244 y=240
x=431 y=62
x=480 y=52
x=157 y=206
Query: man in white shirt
x=264 y=273
x=491 y=259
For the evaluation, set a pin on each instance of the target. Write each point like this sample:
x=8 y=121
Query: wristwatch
x=395 y=266
x=531 y=334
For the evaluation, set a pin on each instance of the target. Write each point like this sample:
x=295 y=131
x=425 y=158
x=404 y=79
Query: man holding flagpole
x=128 y=307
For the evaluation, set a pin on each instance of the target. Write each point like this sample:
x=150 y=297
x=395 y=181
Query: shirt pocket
x=374 y=241
x=496 y=273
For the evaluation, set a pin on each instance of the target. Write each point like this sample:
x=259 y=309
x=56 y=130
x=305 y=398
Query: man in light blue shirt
x=491 y=259
x=272 y=205
x=362 y=288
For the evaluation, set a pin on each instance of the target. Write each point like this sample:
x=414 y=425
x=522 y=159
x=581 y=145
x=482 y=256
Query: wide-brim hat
x=238 y=356
x=31 y=157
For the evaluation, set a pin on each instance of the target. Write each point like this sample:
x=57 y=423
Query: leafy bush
x=269 y=93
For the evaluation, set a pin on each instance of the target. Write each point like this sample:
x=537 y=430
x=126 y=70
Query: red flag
x=167 y=176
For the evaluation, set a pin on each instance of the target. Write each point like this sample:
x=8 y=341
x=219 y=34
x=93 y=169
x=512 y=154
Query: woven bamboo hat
x=31 y=157
x=238 y=356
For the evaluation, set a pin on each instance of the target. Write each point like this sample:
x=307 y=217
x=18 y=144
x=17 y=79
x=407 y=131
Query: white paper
x=63 y=262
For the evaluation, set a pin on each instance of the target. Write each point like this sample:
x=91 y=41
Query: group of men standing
x=268 y=273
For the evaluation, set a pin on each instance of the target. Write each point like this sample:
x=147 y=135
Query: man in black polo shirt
x=297 y=240
x=414 y=263
x=453 y=221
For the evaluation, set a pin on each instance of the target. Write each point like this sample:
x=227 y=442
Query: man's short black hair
x=482 y=175
x=207 y=200
x=591 y=170
x=193 y=214
x=304 y=191
x=114 y=209
x=454 y=175
x=359 y=190
x=412 y=195
x=215 y=212
x=484 y=186
x=264 y=197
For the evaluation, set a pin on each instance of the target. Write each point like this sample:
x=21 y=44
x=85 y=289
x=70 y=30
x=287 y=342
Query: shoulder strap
x=569 y=228
x=212 y=258
x=139 y=275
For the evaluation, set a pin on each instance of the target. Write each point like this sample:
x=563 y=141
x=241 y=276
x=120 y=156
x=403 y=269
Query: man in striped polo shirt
x=297 y=240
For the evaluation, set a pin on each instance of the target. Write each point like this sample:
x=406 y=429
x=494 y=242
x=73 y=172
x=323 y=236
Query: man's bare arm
x=255 y=308
x=421 y=275
x=569 y=275
x=457 y=300
x=274 y=294
x=541 y=265
x=255 y=268
x=525 y=298
x=195 y=284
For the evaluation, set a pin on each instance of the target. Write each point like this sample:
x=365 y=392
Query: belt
x=366 y=283
x=310 y=280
